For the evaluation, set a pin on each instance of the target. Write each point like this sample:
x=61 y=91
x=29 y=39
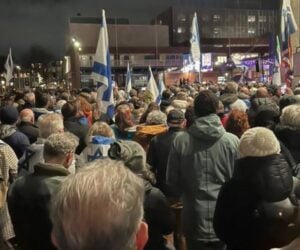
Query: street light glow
x=77 y=44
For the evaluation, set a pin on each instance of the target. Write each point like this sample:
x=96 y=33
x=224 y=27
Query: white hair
x=50 y=124
x=101 y=207
x=58 y=145
x=156 y=117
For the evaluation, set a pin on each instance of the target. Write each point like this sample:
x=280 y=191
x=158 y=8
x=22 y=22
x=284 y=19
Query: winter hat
x=290 y=116
x=131 y=153
x=258 y=142
x=175 y=116
x=9 y=115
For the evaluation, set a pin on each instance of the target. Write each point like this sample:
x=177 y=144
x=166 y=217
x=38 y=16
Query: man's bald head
x=262 y=92
x=26 y=115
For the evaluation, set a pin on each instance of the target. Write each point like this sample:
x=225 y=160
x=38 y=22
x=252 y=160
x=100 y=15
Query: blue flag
x=101 y=73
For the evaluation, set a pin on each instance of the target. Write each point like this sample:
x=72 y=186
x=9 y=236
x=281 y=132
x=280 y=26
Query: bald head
x=262 y=92
x=26 y=115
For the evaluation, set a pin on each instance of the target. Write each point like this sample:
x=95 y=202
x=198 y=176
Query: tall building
x=218 y=23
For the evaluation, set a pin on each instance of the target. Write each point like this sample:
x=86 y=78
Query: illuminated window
x=216 y=17
x=180 y=30
x=262 y=19
x=251 y=31
x=251 y=19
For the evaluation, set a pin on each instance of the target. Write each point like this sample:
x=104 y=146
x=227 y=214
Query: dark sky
x=24 y=23
x=44 y=22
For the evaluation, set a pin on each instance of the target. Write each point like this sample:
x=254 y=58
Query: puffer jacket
x=291 y=139
x=201 y=160
x=253 y=210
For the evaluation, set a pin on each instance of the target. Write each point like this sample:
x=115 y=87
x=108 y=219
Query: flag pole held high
x=9 y=67
x=101 y=73
x=288 y=27
x=195 y=43
x=128 y=85
x=152 y=86
x=277 y=71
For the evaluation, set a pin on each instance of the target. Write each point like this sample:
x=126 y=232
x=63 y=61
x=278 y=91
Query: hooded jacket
x=200 y=161
x=253 y=210
x=14 y=138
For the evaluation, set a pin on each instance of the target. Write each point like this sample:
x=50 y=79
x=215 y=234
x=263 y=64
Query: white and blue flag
x=9 y=67
x=276 y=71
x=152 y=86
x=161 y=86
x=195 y=40
x=128 y=85
x=101 y=73
x=288 y=22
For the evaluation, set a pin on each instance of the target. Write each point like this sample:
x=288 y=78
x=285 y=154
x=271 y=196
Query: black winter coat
x=291 y=139
x=240 y=220
x=158 y=153
x=158 y=216
x=30 y=130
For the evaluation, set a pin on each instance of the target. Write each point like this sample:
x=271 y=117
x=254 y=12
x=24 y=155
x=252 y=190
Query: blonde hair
x=108 y=199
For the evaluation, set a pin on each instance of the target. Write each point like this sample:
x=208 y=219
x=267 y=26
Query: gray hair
x=49 y=124
x=156 y=117
x=101 y=207
x=58 y=145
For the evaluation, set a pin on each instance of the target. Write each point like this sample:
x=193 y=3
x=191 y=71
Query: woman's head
x=237 y=122
x=123 y=117
x=258 y=142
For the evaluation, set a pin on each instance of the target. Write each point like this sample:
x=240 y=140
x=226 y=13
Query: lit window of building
x=251 y=31
x=251 y=19
x=262 y=19
x=216 y=17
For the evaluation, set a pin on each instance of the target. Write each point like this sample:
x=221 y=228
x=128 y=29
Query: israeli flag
x=128 y=85
x=101 y=73
x=195 y=40
x=152 y=86
x=277 y=73
x=161 y=87
x=288 y=22
x=9 y=67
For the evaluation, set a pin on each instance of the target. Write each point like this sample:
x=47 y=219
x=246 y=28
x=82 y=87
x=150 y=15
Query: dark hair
x=70 y=109
x=41 y=99
x=206 y=103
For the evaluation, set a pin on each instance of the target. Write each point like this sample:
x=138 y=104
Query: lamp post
x=75 y=63
x=18 y=69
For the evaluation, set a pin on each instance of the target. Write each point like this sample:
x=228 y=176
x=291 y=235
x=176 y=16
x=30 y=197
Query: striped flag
x=288 y=27
x=277 y=72
x=195 y=40
x=9 y=67
x=101 y=73
x=128 y=85
x=161 y=87
x=152 y=86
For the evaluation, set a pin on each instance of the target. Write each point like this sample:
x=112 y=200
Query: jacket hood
x=228 y=99
x=7 y=130
x=270 y=177
x=207 y=128
x=151 y=129
x=179 y=104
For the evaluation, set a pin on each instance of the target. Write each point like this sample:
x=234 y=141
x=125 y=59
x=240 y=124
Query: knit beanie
x=131 y=153
x=9 y=115
x=258 y=142
x=290 y=116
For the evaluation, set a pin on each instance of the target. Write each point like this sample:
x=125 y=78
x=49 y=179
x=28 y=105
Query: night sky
x=24 y=23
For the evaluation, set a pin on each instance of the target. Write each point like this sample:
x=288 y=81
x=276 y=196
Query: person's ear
x=142 y=236
x=69 y=159
x=53 y=239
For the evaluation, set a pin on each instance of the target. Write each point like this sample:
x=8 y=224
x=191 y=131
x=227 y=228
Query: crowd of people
x=227 y=155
